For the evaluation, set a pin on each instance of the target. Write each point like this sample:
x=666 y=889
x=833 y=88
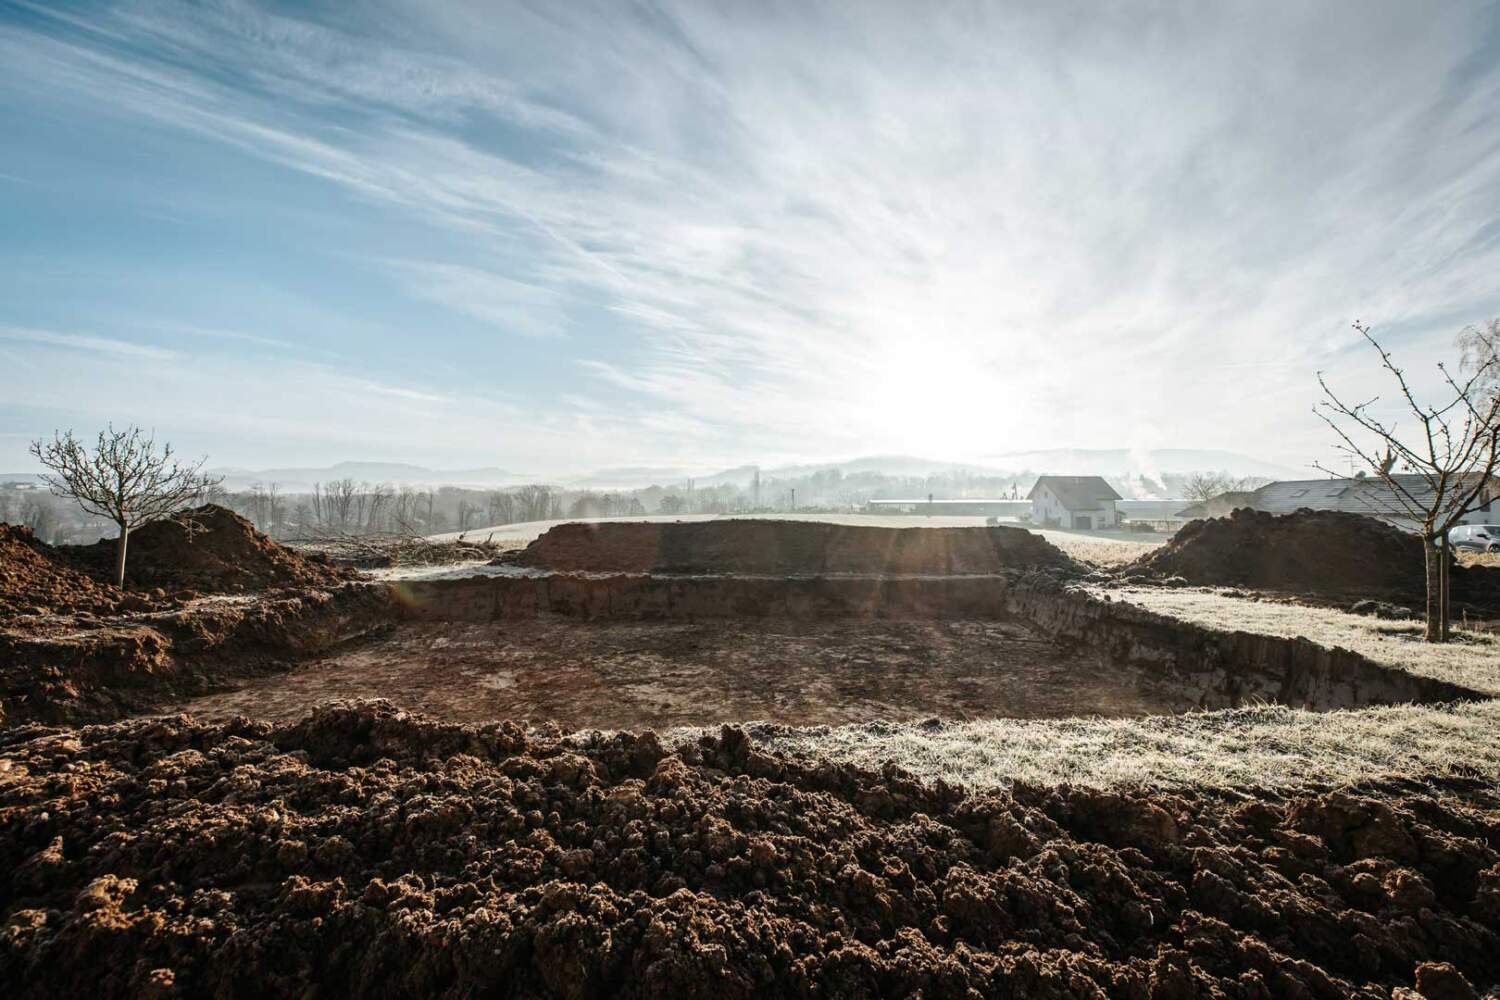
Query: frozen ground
x=1259 y=747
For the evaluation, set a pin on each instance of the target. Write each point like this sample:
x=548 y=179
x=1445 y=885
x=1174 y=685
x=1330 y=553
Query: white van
x=1476 y=537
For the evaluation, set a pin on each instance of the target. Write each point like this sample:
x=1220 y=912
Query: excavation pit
x=631 y=651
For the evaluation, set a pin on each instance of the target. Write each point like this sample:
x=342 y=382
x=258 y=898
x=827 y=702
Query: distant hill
x=1125 y=462
x=300 y=480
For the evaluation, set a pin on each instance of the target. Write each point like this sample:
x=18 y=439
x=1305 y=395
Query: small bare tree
x=1205 y=485
x=124 y=478
x=1479 y=354
x=1450 y=461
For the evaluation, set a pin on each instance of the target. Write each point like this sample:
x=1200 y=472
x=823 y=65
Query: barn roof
x=1372 y=495
x=1082 y=493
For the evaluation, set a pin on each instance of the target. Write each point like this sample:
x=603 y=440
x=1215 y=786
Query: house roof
x=1082 y=493
x=1372 y=495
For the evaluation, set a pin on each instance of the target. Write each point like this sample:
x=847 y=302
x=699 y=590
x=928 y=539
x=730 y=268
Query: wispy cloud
x=86 y=343
x=824 y=229
x=518 y=307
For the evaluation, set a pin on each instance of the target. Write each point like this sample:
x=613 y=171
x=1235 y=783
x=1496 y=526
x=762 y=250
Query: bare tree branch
x=124 y=478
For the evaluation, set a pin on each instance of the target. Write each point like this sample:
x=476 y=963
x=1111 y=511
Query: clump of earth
x=35 y=580
x=364 y=851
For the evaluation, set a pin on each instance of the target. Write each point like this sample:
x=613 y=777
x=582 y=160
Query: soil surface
x=784 y=548
x=84 y=668
x=630 y=675
x=366 y=852
x=1310 y=552
x=34 y=579
x=212 y=550
x=226 y=602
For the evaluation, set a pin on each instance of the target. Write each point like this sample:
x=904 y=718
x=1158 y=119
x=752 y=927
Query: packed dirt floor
x=365 y=852
x=632 y=675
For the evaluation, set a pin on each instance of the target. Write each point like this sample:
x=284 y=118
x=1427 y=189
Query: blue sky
x=558 y=237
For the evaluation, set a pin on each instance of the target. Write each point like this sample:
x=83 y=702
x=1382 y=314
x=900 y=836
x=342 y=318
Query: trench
x=623 y=651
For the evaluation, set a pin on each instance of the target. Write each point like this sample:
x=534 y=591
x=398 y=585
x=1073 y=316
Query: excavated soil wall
x=1225 y=668
x=650 y=596
x=91 y=672
x=1220 y=669
x=783 y=548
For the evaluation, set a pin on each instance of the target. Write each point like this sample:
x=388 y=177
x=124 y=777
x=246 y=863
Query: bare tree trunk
x=120 y=557
x=1434 y=590
x=1446 y=604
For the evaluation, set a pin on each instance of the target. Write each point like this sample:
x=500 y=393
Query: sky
x=558 y=237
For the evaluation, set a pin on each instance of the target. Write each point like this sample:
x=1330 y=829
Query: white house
x=1082 y=502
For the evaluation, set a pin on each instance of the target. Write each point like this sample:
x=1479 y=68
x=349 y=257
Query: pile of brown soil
x=212 y=550
x=33 y=579
x=785 y=548
x=1310 y=551
x=365 y=852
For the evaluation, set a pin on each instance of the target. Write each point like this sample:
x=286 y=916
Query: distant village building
x=1371 y=496
x=966 y=506
x=1085 y=503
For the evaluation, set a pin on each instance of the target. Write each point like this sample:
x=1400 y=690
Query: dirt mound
x=214 y=550
x=782 y=548
x=34 y=580
x=1310 y=551
x=366 y=852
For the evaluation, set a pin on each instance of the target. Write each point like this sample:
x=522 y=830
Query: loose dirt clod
x=367 y=852
x=33 y=579
x=779 y=547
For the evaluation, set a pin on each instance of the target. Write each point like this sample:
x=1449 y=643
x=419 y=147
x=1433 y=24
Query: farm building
x=1371 y=496
x=968 y=506
x=1080 y=502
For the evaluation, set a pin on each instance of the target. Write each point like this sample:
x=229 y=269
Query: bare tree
x=1450 y=461
x=535 y=502
x=467 y=511
x=1479 y=353
x=381 y=496
x=1205 y=485
x=124 y=478
x=501 y=507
